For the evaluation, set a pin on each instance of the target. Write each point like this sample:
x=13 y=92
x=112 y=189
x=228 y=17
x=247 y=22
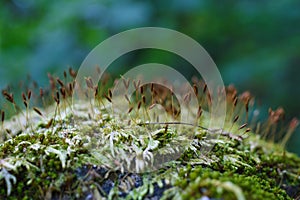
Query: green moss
x=73 y=161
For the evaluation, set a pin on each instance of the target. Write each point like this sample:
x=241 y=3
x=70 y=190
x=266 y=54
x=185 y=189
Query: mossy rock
x=76 y=153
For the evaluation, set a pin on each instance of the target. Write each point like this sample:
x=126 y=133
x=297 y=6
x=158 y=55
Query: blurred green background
x=255 y=44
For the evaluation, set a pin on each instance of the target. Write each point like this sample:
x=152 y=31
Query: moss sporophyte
x=54 y=149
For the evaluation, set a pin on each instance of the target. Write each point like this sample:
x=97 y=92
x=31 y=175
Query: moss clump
x=79 y=154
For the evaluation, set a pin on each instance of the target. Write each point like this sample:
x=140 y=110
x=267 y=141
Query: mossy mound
x=71 y=157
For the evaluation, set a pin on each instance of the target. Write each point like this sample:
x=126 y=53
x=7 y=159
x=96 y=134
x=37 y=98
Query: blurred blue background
x=254 y=43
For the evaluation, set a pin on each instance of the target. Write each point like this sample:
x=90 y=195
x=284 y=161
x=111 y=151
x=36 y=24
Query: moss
x=71 y=158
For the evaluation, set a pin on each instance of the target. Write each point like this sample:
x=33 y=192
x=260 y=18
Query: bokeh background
x=255 y=44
